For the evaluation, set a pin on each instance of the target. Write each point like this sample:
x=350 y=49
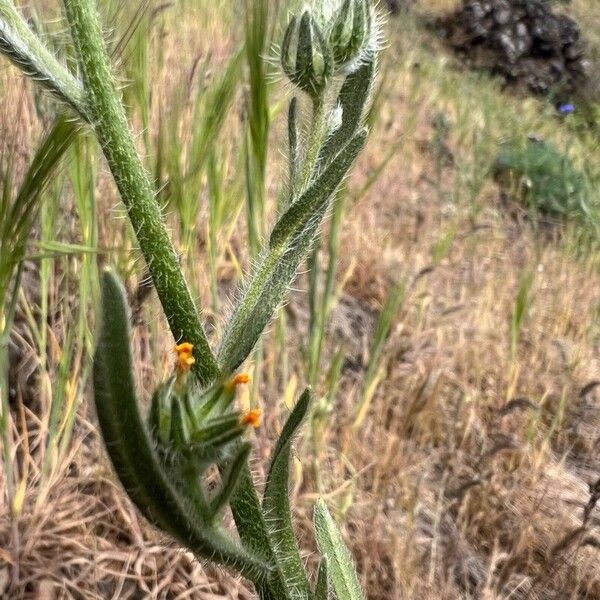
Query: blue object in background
x=566 y=109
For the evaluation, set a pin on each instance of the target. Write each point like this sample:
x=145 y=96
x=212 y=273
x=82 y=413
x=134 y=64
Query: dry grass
x=469 y=477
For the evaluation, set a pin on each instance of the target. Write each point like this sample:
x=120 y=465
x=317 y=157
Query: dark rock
x=502 y=13
x=522 y=40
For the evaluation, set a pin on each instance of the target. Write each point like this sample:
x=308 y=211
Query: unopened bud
x=350 y=32
x=305 y=55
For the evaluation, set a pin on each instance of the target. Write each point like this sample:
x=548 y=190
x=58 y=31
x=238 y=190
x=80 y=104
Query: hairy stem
x=108 y=118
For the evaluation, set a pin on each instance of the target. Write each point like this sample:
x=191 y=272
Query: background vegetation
x=450 y=325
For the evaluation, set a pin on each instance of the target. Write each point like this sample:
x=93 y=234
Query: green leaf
x=322 y=587
x=352 y=98
x=339 y=562
x=276 y=504
x=20 y=45
x=289 y=245
x=299 y=214
x=131 y=451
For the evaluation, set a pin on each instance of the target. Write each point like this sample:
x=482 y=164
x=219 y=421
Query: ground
x=464 y=471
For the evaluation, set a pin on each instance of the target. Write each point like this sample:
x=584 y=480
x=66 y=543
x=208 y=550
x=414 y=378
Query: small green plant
x=329 y=52
x=536 y=173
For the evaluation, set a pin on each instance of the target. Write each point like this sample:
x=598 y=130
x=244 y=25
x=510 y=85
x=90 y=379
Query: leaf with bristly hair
x=130 y=448
x=289 y=244
x=339 y=562
x=297 y=217
x=20 y=45
x=276 y=502
x=352 y=99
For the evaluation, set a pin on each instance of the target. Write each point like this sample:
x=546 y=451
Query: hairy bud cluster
x=350 y=32
x=333 y=37
x=306 y=57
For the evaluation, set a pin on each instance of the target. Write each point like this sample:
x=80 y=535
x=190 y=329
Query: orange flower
x=237 y=380
x=185 y=359
x=252 y=418
x=184 y=347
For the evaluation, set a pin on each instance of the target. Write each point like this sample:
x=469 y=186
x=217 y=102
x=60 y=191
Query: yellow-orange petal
x=237 y=380
x=184 y=363
x=252 y=417
x=184 y=348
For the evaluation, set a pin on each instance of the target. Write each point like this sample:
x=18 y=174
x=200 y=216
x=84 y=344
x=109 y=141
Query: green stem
x=110 y=123
x=315 y=141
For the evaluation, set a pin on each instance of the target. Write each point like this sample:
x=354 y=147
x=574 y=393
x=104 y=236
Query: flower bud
x=350 y=32
x=305 y=55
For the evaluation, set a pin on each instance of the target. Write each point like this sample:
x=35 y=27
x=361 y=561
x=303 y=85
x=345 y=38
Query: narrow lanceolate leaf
x=339 y=562
x=131 y=451
x=20 y=45
x=276 y=504
x=300 y=213
x=353 y=98
x=290 y=242
x=322 y=587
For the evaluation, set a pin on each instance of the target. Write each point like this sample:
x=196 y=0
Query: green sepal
x=288 y=62
x=276 y=503
x=159 y=417
x=293 y=142
x=207 y=402
x=305 y=52
x=299 y=215
x=214 y=428
x=349 y=33
x=322 y=587
x=218 y=440
x=180 y=433
x=230 y=478
x=339 y=562
x=131 y=451
x=309 y=62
